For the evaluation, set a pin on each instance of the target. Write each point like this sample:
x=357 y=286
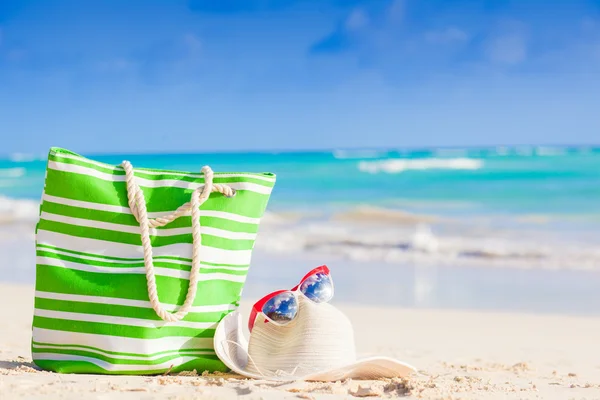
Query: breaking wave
x=404 y=238
x=12 y=172
x=18 y=210
x=398 y=165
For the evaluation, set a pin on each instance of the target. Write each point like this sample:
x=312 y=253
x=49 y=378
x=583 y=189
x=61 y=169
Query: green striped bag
x=136 y=268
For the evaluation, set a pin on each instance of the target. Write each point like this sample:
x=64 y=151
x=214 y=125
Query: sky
x=204 y=75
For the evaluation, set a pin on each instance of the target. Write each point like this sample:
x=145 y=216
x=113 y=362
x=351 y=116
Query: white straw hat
x=317 y=345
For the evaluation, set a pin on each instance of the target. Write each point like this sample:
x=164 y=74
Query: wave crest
x=394 y=236
x=17 y=172
x=398 y=165
x=18 y=210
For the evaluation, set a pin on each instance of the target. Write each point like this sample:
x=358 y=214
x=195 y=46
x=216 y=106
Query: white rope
x=137 y=204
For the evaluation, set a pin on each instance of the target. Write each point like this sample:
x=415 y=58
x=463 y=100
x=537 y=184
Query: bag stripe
x=108 y=319
x=125 y=345
x=205 y=230
x=111 y=367
x=129 y=220
x=76 y=187
x=95 y=259
x=208 y=241
x=147 y=183
x=120 y=311
x=133 y=286
x=39 y=346
x=209 y=254
x=119 y=330
x=132 y=303
x=125 y=210
x=173 y=273
x=118 y=360
x=83 y=161
x=185 y=266
x=45 y=247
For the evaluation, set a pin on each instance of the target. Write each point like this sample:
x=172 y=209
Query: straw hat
x=317 y=345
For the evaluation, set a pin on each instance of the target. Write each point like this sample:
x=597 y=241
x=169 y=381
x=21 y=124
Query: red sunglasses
x=281 y=307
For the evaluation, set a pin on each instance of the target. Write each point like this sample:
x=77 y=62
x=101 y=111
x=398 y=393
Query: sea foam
x=17 y=172
x=398 y=165
x=365 y=234
x=18 y=210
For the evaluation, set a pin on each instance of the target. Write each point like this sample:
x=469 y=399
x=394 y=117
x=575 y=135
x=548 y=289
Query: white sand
x=460 y=355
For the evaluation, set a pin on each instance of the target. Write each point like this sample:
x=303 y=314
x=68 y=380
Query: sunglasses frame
x=258 y=306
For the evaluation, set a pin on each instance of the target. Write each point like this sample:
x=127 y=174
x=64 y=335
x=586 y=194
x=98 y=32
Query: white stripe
x=159 y=271
x=136 y=261
x=112 y=367
x=205 y=230
x=121 y=344
x=128 y=302
x=109 y=319
x=106 y=260
x=126 y=210
x=121 y=357
x=78 y=169
x=147 y=172
x=114 y=249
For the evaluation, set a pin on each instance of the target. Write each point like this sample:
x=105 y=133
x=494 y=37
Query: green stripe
x=45 y=246
x=129 y=220
x=74 y=186
x=202 y=363
x=135 y=238
x=109 y=359
x=140 y=173
x=120 y=311
x=133 y=286
x=100 y=256
x=163 y=264
x=101 y=328
x=118 y=353
x=167 y=174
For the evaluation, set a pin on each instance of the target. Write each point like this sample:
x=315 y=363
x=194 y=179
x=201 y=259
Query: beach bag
x=135 y=267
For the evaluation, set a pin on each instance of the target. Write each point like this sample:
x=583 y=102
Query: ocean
x=423 y=213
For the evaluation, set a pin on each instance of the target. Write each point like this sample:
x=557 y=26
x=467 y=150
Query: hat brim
x=231 y=346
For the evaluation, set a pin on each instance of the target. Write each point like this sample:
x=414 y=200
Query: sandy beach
x=459 y=354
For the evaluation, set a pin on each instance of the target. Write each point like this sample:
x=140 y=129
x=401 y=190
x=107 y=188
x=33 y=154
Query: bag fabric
x=93 y=312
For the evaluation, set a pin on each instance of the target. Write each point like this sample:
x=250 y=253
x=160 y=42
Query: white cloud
x=448 y=35
x=357 y=20
x=510 y=49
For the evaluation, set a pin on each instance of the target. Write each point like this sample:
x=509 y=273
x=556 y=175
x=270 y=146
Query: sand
x=459 y=354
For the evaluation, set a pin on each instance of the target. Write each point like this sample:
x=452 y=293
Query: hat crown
x=319 y=338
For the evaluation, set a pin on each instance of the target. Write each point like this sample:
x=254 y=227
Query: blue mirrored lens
x=318 y=288
x=281 y=308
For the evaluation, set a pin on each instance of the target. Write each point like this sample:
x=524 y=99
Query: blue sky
x=137 y=76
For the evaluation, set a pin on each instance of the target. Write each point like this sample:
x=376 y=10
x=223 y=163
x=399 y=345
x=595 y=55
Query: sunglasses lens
x=318 y=288
x=281 y=308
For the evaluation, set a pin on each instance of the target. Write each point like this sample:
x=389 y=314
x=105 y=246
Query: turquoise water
x=495 y=182
x=525 y=207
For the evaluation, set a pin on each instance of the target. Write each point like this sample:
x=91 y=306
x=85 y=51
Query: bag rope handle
x=137 y=204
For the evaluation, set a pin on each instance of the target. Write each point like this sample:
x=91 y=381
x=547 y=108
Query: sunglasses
x=281 y=307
